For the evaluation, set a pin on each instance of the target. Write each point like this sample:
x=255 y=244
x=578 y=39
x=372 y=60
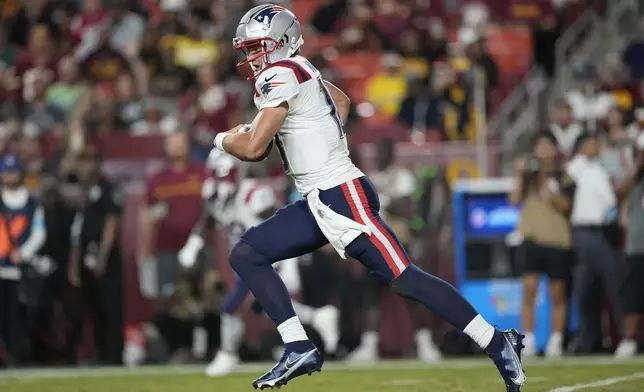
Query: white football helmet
x=268 y=33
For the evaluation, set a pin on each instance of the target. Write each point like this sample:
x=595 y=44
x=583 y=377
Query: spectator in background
x=153 y=121
x=436 y=42
x=415 y=64
x=564 y=127
x=128 y=101
x=192 y=50
x=214 y=110
x=59 y=216
x=633 y=56
x=632 y=293
x=327 y=15
x=86 y=24
x=22 y=234
x=32 y=14
x=589 y=104
x=395 y=185
x=618 y=83
x=104 y=63
x=387 y=89
x=635 y=129
x=8 y=52
x=95 y=258
x=168 y=81
x=38 y=62
x=594 y=208
x=546 y=31
x=547 y=193
x=66 y=93
x=616 y=153
x=39 y=112
x=479 y=57
x=356 y=29
x=173 y=206
x=33 y=162
x=420 y=111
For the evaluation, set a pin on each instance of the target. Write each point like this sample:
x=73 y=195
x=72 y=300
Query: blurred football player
x=238 y=204
x=303 y=116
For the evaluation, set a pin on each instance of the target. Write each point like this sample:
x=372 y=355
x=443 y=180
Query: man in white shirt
x=564 y=127
x=589 y=104
x=595 y=207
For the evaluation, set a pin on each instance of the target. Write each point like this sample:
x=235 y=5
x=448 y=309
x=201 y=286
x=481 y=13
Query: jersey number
x=280 y=148
x=329 y=101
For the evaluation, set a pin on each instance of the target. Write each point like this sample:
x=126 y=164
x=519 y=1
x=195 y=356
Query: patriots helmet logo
x=265 y=15
x=269 y=85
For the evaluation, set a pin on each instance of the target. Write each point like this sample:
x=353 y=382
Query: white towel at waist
x=338 y=229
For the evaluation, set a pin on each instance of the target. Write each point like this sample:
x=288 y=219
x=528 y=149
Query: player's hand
x=240 y=128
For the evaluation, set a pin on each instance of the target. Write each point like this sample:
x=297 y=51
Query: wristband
x=219 y=140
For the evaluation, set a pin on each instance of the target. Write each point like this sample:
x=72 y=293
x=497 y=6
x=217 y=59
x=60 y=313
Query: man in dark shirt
x=95 y=261
x=105 y=63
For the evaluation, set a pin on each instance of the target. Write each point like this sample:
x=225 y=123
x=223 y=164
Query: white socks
x=303 y=312
x=480 y=331
x=292 y=330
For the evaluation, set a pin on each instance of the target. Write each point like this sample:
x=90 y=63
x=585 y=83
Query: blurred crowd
x=84 y=80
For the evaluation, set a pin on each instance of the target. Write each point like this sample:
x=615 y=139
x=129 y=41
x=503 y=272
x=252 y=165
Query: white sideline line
x=599 y=383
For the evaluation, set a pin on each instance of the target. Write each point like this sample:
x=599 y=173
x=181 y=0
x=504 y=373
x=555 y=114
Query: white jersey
x=242 y=211
x=311 y=141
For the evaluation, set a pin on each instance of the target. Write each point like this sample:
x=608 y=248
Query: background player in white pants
x=237 y=204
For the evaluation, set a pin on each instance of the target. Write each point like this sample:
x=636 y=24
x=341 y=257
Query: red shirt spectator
x=91 y=16
x=37 y=63
x=173 y=196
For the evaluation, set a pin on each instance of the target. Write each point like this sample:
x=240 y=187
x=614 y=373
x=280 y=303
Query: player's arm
x=251 y=145
x=279 y=87
x=342 y=101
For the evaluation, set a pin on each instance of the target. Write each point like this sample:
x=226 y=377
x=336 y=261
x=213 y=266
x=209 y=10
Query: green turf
x=386 y=377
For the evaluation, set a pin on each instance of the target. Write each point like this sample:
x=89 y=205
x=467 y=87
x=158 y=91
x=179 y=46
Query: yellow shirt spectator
x=190 y=53
x=386 y=91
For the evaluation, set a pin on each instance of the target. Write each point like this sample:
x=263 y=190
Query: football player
x=237 y=204
x=302 y=115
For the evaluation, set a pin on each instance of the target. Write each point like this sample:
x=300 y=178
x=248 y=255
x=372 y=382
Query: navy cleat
x=508 y=361
x=292 y=364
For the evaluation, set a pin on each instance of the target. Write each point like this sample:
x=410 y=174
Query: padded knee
x=243 y=254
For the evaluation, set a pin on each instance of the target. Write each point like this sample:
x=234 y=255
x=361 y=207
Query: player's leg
x=291 y=232
x=232 y=332
x=382 y=253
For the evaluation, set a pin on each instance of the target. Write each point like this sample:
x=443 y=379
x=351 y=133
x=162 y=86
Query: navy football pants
x=293 y=231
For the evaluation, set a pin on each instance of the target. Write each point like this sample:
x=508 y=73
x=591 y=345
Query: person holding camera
x=632 y=219
x=593 y=219
x=547 y=195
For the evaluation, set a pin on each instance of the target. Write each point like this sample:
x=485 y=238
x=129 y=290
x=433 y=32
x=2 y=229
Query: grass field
x=589 y=374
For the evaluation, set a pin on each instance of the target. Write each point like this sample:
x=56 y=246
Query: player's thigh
x=381 y=251
x=291 y=232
